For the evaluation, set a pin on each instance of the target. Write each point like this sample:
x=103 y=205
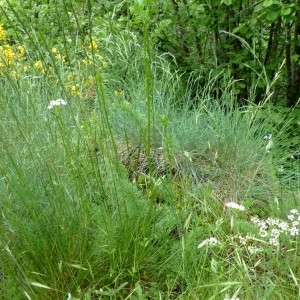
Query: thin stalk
x=148 y=85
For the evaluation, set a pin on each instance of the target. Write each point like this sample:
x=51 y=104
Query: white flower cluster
x=57 y=102
x=273 y=228
x=212 y=241
x=235 y=206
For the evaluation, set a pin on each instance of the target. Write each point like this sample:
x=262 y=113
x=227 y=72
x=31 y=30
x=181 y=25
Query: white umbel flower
x=57 y=102
x=235 y=205
x=212 y=241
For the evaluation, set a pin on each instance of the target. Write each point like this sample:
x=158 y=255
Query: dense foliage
x=251 y=42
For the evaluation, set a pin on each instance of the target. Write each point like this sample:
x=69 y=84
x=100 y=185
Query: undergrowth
x=117 y=184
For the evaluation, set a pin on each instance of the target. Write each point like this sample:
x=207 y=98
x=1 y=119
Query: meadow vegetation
x=119 y=181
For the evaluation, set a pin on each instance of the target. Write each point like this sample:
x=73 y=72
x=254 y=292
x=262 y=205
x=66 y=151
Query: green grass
x=110 y=195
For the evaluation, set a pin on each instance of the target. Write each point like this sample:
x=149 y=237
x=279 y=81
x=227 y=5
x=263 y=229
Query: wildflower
x=273 y=242
x=70 y=78
x=57 y=102
x=275 y=233
x=294 y=214
x=243 y=240
x=253 y=250
x=15 y=74
x=9 y=54
x=235 y=205
x=255 y=220
x=118 y=93
x=212 y=241
x=294 y=211
x=93 y=45
x=73 y=89
x=294 y=231
x=59 y=57
x=86 y=62
x=38 y=64
x=90 y=82
x=274 y=228
x=272 y=222
x=262 y=224
x=21 y=52
x=284 y=226
x=263 y=233
x=2 y=33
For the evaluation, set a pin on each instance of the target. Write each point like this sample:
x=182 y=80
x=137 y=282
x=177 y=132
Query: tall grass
x=123 y=192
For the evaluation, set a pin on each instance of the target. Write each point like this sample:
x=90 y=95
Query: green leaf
x=267 y=3
x=286 y=11
x=272 y=16
x=226 y=2
x=295 y=58
x=201 y=8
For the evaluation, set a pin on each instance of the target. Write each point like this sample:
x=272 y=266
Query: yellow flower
x=70 y=77
x=59 y=57
x=21 y=52
x=15 y=74
x=73 y=89
x=93 y=45
x=86 y=62
x=90 y=82
x=25 y=68
x=38 y=65
x=8 y=54
x=2 y=33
